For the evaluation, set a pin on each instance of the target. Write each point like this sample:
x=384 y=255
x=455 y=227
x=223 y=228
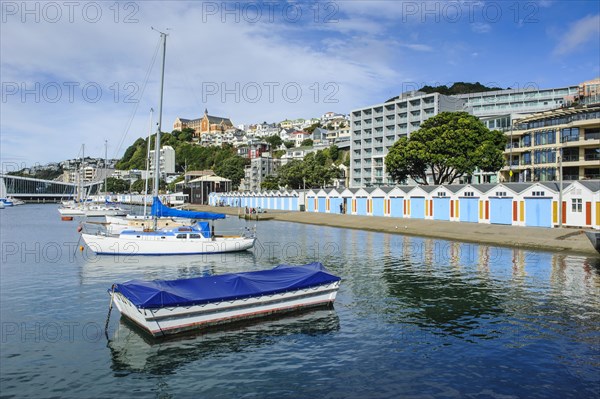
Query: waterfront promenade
x=551 y=239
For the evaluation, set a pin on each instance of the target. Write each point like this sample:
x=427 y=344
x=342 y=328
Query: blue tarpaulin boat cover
x=161 y=210
x=226 y=287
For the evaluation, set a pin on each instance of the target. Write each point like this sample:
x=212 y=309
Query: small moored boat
x=164 y=307
x=594 y=237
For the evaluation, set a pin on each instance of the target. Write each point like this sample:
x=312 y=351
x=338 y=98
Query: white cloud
x=481 y=27
x=202 y=52
x=418 y=47
x=579 y=33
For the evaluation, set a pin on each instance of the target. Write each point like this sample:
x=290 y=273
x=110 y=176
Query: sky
x=79 y=73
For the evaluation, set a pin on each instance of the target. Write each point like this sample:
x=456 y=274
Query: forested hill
x=223 y=160
x=456 y=88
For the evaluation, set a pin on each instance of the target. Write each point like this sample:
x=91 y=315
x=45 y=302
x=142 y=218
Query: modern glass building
x=536 y=143
x=27 y=188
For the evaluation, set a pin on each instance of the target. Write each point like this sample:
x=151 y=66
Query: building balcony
x=571 y=158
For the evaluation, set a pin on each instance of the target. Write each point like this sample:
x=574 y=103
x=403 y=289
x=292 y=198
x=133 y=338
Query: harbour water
x=414 y=317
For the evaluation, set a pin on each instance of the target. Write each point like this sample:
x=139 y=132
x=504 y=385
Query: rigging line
x=187 y=79
x=137 y=103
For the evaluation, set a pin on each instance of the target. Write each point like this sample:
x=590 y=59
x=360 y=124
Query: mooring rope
x=158 y=325
x=110 y=306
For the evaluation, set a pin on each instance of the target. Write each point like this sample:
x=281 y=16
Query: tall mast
x=147 y=162
x=105 y=167
x=160 y=109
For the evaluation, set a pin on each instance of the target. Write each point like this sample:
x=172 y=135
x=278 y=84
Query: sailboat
x=80 y=207
x=116 y=224
x=198 y=238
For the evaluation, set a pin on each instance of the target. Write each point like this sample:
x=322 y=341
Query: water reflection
x=101 y=268
x=133 y=351
x=475 y=291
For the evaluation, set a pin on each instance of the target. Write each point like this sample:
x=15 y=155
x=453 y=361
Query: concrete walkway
x=555 y=240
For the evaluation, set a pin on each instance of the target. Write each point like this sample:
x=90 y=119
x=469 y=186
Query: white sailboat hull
x=71 y=212
x=157 y=244
x=166 y=321
x=104 y=212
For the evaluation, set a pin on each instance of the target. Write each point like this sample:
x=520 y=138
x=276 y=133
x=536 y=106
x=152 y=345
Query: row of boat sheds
x=518 y=204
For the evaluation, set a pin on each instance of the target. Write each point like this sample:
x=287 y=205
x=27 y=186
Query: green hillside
x=224 y=160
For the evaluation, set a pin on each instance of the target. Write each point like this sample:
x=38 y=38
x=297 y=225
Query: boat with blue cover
x=165 y=307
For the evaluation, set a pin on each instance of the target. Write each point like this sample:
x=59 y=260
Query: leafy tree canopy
x=138 y=186
x=232 y=168
x=271 y=182
x=447 y=146
x=312 y=127
x=274 y=140
x=115 y=185
x=317 y=169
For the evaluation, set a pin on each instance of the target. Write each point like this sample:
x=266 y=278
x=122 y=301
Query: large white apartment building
x=376 y=128
x=166 y=160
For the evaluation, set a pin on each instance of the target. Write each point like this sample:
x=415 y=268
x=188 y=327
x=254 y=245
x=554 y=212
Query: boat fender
x=79 y=229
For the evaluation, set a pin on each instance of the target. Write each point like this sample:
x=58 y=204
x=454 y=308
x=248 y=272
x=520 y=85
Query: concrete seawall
x=555 y=239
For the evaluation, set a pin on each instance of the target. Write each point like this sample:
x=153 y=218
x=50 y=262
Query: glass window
x=576 y=205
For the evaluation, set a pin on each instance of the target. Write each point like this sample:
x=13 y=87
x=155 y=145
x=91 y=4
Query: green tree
x=279 y=153
x=274 y=140
x=288 y=144
x=138 y=186
x=232 y=168
x=271 y=182
x=334 y=153
x=114 y=185
x=292 y=174
x=123 y=164
x=448 y=146
x=307 y=143
x=312 y=127
x=171 y=186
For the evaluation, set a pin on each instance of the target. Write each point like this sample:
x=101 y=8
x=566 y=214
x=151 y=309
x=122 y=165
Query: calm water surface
x=414 y=318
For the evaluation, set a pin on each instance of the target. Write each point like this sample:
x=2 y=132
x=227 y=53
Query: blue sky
x=73 y=73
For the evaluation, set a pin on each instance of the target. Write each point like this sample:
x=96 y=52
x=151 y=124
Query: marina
x=509 y=321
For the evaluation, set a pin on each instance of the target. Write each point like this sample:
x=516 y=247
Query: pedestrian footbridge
x=39 y=190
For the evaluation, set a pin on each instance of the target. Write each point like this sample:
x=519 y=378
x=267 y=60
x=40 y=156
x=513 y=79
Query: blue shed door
x=468 y=209
x=321 y=204
x=501 y=210
x=361 y=206
x=538 y=212
x=335 y=203
x=417 y=207
x=441 y=208
x=397 y=207
x=378 y=206
x=310 y=204
x=294 y=204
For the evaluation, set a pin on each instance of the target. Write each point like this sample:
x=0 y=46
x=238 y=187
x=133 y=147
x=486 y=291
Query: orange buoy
x=81 y=248
x=66 y=218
